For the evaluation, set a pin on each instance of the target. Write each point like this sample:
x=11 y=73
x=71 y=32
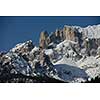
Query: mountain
x=71 y=54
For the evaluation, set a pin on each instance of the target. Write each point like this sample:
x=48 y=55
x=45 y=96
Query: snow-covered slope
x=89 y=31
x=67 y=60
x=76 y=71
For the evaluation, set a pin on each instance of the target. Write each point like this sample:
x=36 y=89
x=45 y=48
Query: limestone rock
x=43 y=40
x=69 y=33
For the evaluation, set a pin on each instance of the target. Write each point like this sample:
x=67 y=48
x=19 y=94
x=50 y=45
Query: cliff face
x=87 y=38
x=44 y=40
x=69 y=33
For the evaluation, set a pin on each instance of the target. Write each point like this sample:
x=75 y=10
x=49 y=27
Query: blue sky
x=17 y=29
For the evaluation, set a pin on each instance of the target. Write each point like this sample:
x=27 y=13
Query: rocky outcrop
x=44 y=40
x=59 y=35
x=69 y=33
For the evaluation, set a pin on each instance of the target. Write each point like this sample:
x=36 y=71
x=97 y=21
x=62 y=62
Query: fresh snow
x=48 y=51
x=75 y=71
x=80 y=71
x=69 y=71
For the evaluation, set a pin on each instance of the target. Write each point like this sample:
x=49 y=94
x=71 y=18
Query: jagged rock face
x=44 y=40
x=56 y=37
x=52 y=37
x=69 y=33
x=59 y=35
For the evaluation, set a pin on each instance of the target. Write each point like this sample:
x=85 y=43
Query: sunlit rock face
x=44 y=40
x=69 y=33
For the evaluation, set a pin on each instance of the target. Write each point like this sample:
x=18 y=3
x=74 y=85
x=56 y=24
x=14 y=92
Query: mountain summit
x=71 y=54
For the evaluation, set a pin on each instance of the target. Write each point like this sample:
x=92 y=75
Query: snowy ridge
x=91 y=31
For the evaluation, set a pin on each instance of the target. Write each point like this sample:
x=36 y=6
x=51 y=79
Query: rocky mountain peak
x=71 y=54
x=43 y=39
